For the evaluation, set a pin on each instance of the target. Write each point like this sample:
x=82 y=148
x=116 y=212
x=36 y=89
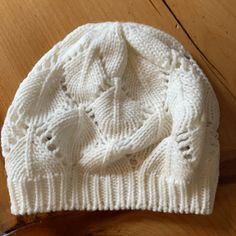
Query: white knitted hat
x=115 y=116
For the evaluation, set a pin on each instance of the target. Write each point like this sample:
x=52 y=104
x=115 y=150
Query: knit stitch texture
x=117 y=115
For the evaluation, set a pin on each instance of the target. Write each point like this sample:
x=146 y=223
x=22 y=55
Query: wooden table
x=29 y=28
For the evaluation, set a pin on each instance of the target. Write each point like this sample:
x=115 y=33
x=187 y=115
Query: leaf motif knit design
x=117 y=115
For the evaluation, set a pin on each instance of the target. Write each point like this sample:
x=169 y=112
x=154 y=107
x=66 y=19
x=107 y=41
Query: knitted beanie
x=117 y=115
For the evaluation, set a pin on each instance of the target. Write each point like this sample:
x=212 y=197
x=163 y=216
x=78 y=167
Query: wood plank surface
x=29 y=28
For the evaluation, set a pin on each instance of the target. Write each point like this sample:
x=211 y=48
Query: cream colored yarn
x=115 y=116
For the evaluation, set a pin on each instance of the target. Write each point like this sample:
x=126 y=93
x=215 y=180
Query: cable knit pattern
x=117 y=115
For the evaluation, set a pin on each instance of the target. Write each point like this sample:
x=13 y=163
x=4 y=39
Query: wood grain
x=215 y=21
x=29 y=28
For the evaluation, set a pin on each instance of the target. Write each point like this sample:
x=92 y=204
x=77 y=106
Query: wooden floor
x=29 y=28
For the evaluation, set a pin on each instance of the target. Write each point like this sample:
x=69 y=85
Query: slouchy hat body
x=117 y=115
